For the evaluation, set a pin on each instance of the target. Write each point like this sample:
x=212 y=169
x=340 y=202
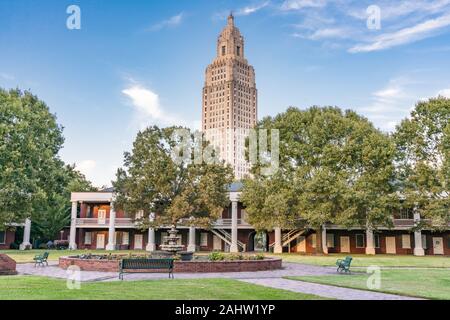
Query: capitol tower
x=230 y=100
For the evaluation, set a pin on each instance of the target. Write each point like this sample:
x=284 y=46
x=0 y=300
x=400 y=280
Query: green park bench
x=133 y=265
x=344 y=264
x=40 y=259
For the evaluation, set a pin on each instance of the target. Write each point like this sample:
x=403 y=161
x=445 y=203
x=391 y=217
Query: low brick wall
x=7 y=265
x=179 y=266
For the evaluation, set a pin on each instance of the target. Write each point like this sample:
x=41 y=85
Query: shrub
x=216 y=256
x=14 y=246
x=61 y=244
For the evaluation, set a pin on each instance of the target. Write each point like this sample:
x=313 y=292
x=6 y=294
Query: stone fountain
x=171 y=242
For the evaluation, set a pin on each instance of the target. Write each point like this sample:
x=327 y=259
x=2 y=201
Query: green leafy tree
x=30 y=140
x=335 y=167
x=423 y=161
x=152 y=181
x=55 y=214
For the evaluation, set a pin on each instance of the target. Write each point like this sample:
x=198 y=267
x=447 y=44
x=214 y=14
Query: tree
x=30 y=140
x=335 y=167
x=423 y=161
x=55 y=215
x=153 y=181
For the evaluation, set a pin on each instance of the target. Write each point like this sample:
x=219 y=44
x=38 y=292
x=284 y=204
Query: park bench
x=136 y=265
x=344 y=264
x=40 y=259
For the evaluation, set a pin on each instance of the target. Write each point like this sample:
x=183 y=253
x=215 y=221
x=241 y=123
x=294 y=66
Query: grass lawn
x=28 y=255
x=426 y=283
x=35 y=288
x=365 y=261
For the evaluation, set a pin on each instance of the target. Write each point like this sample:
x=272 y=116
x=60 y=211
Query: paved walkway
x=265 y=278
x=325 y=290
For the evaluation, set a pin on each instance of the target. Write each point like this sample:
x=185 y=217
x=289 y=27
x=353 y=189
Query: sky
x=137 y=63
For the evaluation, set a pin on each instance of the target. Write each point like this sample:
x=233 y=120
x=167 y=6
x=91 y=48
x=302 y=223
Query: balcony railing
x=128 y=222
x=120 y=222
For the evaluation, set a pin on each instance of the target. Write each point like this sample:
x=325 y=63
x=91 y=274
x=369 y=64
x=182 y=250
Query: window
x=2 y=237
x=406 y=213
x=376 y=240
x=330 y=240
x=313 y=240
x=223 y=50
x=406 y=241
x=125 y=238
x=203 y=239
x=424 y=241
x=88 y=238
x=238 y=51
x=139 y=214
x=360 y=241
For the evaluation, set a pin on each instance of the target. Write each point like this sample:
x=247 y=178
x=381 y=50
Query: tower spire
x=231 y=19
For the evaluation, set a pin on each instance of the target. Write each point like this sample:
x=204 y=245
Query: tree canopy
x=30 y=140
x=335 y=167
x=152 y=181
x=423 y=160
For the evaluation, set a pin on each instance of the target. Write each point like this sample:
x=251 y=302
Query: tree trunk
x=319 y=244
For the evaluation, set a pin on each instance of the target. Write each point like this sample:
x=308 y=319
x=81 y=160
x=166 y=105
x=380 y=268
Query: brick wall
x=7 y=265
x=179 y=266
x=9 y=238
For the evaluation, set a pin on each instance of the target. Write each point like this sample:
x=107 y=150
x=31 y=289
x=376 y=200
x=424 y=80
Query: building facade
x=96 y=225
x=230 y=100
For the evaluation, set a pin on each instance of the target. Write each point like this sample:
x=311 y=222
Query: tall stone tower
x=230 y=102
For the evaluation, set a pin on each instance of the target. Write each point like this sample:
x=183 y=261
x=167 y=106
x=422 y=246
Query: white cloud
x=390 y=104
x=300 y=4
x=251 y=9
x=148 y=108
x=169 y=23
x=330 y=33
x=444 y=93
x=404 y=36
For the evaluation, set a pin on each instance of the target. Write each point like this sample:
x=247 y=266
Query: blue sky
x=138 y=63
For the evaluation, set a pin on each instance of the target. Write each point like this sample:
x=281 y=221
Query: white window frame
x=86 y=238
x=313 y=240
x=330 y=240
x=3 y=241
x=363 y=240
x=101 y=219
x=203 y=239
x=139 y=215
x=406 y=241
x=125 y=238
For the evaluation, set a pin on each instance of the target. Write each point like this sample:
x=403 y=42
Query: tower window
x=223 y=50
x=238 y=51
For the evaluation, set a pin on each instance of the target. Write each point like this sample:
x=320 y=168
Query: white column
x=112 y=229
x=278 y=247
x=151 y=244
x=191 y=246
x=418 y=245
x=26 y=235
x=73 y=226
x=324 y=240
x=370 y=249
x=234 y=225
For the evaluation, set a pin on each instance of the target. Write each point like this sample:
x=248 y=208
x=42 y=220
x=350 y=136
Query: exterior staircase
x=226 y=236
x=288 y=237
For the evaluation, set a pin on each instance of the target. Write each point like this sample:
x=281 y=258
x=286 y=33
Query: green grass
x=365 y=261
x=28 y=255
x=40 y=288
x=425 y=283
